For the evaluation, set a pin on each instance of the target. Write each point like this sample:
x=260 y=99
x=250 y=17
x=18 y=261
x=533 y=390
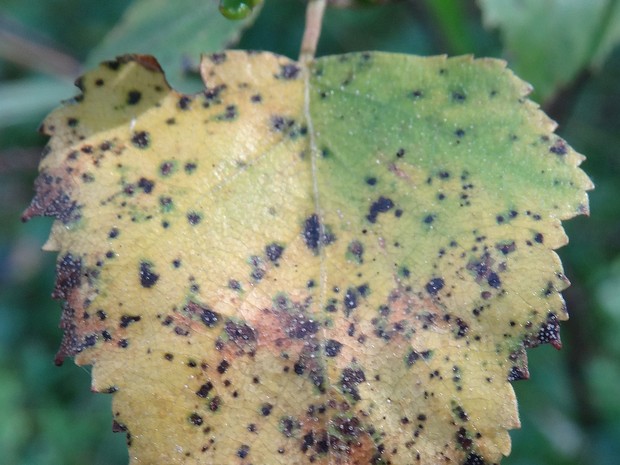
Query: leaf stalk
x=312 y=31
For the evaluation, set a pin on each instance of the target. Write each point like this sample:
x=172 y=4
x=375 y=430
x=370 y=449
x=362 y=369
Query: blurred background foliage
x=568 y=49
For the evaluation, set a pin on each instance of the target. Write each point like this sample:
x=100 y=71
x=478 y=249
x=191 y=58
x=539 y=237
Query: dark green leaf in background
x=176 y=33
x=549 y=41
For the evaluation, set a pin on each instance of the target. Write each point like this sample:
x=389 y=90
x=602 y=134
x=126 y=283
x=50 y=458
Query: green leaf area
x=550 y=41
x=336 y=263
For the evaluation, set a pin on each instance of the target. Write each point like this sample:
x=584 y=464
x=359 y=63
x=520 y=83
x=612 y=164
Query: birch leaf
x=338 y=264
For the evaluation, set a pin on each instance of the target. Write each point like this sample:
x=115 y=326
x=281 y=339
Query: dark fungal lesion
x=146 y=185
x=517 y=373
x=434 y=286
x=482 y=267
x=202 y=312
x=231 y=112
x=204 y=390
x=141 y=139
x=332 y=348
x=68 y=276
x=355 y=251
x=288 y=71
x=474 y=459
x=381 y=205
x=148 y=278
x=184 y=102
x=458 y=96
x=133 y=97
x=559 y=147
x=218 y=58
x=52 y=198
x=274 y=251
x=315 y=234
x=258 y=267
x=194 y=218
x=413 y=356
x=350 y=300
x=242 y=335
x=350 y=379
x=195 y=419
x=549 y=332
x=126 y=320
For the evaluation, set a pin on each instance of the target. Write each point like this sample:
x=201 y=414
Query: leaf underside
x=341 y=264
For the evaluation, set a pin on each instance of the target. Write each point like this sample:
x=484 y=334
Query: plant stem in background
x=17 y=45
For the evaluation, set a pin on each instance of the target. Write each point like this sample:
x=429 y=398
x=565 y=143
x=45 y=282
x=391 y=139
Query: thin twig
x=314 y=20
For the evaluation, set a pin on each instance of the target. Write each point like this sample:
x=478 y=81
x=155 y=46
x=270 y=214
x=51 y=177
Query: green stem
x=314 y=20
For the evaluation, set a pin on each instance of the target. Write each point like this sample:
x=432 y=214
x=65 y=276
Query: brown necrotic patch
x=241 y=337
x=53 y=199
x=68 y=276
x=203 y=313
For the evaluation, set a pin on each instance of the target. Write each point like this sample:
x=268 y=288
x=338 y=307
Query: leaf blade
x=309 y=305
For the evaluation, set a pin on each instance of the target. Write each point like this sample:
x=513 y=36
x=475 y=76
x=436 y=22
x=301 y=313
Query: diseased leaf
x=549 y=42
x=175 y=32
x=343 y=264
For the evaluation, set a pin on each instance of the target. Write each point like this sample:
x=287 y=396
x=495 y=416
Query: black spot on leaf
x=222 y=367
x=434 y=286
x=458 y=96
x=215 y=403
x=133 y=97
x=265 y=409
x=516 y=374
x=146 y=185
x=493 y=280
x=332 y=348
x=243 y=451
x=414 y=356
x=288 y=71
x=549 y=332
x=184 y=102
x=194 y=218
x=350 y=300
x=204 y=390
x=349 y=381
x=462 y=439
x=147 y=277
x=141 y=139
x=313 y=236
x=474 y=459
x=126 y=320
x=559 y=148
x=274 y=251
x=288 y=425
x=381 y=205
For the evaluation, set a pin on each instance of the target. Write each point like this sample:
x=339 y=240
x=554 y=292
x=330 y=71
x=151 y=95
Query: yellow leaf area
x=338 y=264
